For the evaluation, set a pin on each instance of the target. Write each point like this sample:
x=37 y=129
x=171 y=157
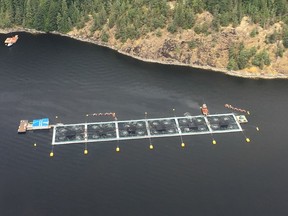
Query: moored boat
x=11 y=40
x=204 y=110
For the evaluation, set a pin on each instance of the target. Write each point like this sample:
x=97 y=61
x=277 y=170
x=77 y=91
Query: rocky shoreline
x=242 y=74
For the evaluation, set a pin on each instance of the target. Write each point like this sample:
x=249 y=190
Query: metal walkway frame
x=93 y=132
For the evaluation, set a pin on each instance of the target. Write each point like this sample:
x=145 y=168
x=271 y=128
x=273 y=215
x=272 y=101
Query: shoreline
x=241 y=74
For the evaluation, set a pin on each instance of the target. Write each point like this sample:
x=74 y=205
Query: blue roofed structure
x=40 y=123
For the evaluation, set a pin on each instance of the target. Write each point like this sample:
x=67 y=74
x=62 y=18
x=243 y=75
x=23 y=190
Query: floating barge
x=93 y=132
x=241 y=119
x=37 y=124
x=144 y=128
x=23 y=126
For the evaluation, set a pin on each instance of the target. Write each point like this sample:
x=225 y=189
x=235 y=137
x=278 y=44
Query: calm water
x=46 y=75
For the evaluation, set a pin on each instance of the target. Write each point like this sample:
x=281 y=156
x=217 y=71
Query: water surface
x=47 y=75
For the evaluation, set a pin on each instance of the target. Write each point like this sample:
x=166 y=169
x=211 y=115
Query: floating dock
x=37 y=124
x=242 y=119
x=23 y=126
x=144 y=128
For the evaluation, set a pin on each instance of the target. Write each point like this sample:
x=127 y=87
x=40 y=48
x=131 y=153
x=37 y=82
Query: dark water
x=46 y=75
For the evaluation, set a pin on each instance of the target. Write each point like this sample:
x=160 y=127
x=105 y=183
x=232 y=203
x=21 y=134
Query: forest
x=134 y=18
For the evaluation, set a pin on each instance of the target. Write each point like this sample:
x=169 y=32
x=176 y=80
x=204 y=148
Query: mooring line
x=180 y=132
x=151 y=147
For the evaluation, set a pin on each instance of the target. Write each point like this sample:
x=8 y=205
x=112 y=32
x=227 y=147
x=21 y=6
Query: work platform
x=37 y=124
x=144 y=128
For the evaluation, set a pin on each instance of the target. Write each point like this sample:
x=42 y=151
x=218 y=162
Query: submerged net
x=137 y=129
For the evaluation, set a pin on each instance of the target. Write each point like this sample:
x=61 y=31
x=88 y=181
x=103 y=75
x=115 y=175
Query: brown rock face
x=206 y=50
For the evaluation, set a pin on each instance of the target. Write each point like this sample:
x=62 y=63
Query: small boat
x=204 y=110
x=11 y=40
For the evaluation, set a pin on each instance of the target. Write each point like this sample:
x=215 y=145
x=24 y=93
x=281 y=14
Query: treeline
x=45 y=15
x=264 y=12
x=241 y=57
x=133 y=18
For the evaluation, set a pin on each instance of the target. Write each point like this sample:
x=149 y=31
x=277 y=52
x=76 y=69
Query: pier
x=65 y=134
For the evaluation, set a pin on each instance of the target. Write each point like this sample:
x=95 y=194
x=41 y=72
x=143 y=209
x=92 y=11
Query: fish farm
x=94 y=132
x=144 y=128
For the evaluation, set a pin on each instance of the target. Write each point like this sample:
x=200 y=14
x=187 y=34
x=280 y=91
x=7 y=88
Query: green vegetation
x=131 y=19
x=272 y=38
x=193 y=44
x=285 y=37
x=202 y=29
x=239 y=56
x=158 y=33
x=279 y=51
x=104 y=37
x=254 y=32
x=261 y=59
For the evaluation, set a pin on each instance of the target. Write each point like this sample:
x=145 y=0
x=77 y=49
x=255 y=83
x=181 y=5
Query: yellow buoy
x=214 y=142
x=257 y=128
x=51 y=154
x=85 y=151
x=117 y=149
x=35 y=144
x=183 y=145
x=247 y=140
x=151 y=147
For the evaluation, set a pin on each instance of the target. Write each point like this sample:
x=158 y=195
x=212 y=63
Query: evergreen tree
x=285 y=37
x=63 y=21
x=51 y=17
x=138 y=16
